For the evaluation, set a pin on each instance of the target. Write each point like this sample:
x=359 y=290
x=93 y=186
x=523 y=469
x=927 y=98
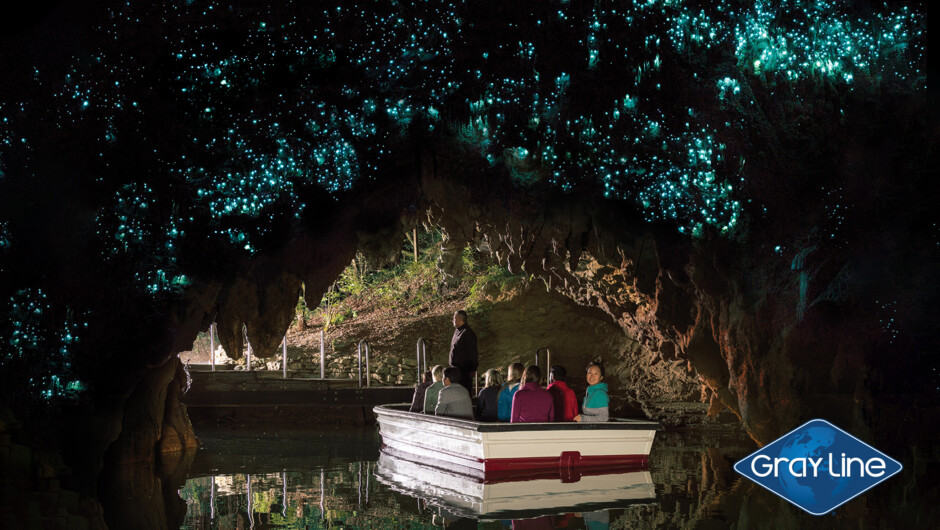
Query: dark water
x=336 y=479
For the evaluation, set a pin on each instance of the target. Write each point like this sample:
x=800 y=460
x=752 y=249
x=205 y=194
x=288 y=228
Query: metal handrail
x=322 y=354
x=361 y=342
x=422 y=349
x=248 y=351
x=212 y=499
x=548 y=361
x=212 y=345
x=284 y=357
x=249 y=498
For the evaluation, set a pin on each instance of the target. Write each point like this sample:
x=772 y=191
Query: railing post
x=212 y=499
x=284 y=510
x=322 y=354
x=361 y=342
x=251 y=517
x=548 y=361
x=284 y=357
x=212 y=345
x=248 y=351
x=422 y=350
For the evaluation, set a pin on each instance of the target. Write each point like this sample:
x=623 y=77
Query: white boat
x=533 y=496
x=489 y=449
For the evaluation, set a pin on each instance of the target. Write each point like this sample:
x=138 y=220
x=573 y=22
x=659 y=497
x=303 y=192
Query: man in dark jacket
x=463 y=350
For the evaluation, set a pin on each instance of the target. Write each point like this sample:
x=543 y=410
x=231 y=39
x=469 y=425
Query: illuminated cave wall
x=153 y=151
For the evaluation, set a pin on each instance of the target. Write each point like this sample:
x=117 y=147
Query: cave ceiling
x=155 y=154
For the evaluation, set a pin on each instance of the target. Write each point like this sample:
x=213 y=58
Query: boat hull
x=487 y=448
x=538 y=495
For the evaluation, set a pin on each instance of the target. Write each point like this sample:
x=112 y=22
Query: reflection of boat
x=545 y=493
x=488 y=450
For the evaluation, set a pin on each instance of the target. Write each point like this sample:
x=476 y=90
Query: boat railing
x=359 y=352
x=401 y=410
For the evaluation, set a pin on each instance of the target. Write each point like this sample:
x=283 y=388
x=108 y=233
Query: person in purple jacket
x=532 y=403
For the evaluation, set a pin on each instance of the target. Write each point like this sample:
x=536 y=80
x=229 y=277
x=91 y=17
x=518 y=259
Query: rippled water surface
x=341 y=479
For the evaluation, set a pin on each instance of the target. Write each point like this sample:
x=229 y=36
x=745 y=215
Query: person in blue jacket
x=596 y=404
x=513 y=376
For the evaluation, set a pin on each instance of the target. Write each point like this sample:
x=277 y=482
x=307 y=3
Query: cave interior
x=742 y=188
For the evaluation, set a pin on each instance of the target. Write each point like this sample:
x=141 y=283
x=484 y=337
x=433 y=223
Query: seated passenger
x=430 y=395
x=417 y=400
x=566 y=404
x=532 y=403
x=514 y=373
x=488 y=400
x=594 y=408
x=454 y=399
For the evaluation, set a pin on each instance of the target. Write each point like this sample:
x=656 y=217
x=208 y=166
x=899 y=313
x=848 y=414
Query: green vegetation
x=409 y=284
x=489 y=283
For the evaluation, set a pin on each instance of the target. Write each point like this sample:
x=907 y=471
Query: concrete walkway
x=268 y=388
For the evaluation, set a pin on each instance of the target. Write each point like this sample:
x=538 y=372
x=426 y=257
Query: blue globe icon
x=814 y=493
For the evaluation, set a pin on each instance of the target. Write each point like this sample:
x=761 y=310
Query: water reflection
x=346 y=496
x=340 y=479
x=332 y=498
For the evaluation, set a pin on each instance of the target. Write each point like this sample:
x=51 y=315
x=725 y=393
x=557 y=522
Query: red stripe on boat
x=565 y=460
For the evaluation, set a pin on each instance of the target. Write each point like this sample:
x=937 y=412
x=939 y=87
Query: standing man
x=463 y=350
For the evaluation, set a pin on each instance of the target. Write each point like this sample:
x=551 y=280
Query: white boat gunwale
x=617 y=424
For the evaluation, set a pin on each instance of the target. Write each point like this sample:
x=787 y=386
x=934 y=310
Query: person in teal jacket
x=504 y=404
x=596 y=404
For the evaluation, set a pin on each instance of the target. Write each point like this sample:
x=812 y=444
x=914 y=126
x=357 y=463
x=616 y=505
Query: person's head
x=532 y=374
x=595 y=372
x=451 y=375
x=557 y=373
x=460 y=318
x=427 y=377
x=492 y=377
x=515 y=371
x=437 y=372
